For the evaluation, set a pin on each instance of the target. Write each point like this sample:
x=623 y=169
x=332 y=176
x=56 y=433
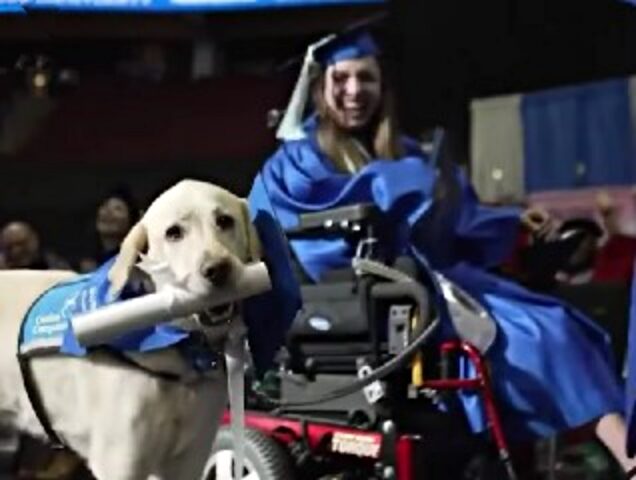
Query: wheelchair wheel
x=265 y=458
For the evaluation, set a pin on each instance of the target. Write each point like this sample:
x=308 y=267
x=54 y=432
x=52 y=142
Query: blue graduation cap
x=347 y=46
x=355 y=43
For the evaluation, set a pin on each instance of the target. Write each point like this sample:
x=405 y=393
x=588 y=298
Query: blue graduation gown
x=552 y=367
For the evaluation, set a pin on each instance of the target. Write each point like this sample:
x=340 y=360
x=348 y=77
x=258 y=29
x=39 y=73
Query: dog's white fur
x=126 y=424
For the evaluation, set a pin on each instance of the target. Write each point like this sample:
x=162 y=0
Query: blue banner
x=148 y=6
x=11 y=6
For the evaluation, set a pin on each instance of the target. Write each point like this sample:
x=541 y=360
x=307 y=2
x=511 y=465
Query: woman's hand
x=604 y=203
x=608 y=212
x=539 y=223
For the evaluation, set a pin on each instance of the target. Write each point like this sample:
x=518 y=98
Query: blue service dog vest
x=47 y=326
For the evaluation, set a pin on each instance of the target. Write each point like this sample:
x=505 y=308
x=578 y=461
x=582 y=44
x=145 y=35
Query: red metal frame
x=317 y=435
x=287 y=430
x=404 y=458
x=483 y=384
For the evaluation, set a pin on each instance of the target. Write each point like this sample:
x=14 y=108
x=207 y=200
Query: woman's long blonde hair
x=341 y=148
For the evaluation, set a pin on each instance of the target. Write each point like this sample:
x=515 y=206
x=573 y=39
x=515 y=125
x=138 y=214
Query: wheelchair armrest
x=350 y=219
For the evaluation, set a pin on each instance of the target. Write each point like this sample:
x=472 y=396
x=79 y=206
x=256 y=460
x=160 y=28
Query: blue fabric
x=48 y=320
x=347 y=46
x=269 y=315
x=553 y=366
x=631 y=375
x=579 y=136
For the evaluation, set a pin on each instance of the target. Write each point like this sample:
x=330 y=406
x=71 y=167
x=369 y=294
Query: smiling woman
x=116 y=213
x=352 y=91
x=354 y=105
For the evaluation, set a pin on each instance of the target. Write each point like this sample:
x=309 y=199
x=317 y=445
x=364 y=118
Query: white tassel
x=291 y=126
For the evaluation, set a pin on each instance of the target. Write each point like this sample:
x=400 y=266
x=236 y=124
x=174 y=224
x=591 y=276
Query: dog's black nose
x=218 y=272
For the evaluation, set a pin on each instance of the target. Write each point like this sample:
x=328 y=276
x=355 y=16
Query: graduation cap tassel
x=290 y=127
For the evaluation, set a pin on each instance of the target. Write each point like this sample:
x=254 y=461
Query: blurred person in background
x=21 y=248
x=116 y=213
x=615 y=258
x=607 y=254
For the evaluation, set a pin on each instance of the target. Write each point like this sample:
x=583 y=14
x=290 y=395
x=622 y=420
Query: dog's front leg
x=134 y=427
x=120 y=458
x=196 y=438
x=189 y=465
x=116 y=464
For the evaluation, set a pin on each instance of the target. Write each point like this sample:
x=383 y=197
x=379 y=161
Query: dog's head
x=199 y=232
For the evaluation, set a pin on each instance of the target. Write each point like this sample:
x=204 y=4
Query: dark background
x=119 y=125
x=448 y=52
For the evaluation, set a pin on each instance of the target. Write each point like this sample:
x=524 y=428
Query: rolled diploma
x=106 y=323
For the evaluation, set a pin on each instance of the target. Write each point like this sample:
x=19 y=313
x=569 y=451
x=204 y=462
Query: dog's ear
x=134 y=243
x=254 y=247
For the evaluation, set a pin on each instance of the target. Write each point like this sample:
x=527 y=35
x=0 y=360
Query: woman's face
x=353 y=90
x=113 y=218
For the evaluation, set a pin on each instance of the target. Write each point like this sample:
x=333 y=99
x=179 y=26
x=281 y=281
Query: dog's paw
x=118 y=276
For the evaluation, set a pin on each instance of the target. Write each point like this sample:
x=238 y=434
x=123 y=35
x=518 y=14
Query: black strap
x=631 y=473
x=36 y=403
x=31 y=388
x=33 y=393
x=124 y=359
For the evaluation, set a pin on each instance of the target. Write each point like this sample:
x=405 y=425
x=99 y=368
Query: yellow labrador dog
x=125 y=422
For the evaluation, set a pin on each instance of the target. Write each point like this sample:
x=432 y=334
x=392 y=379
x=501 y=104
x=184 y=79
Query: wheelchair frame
x=392 y=454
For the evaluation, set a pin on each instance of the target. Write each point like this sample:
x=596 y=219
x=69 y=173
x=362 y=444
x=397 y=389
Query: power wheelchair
x=365 y=386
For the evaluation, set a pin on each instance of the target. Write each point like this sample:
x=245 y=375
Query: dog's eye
x=174 y=233
x=225 y=222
